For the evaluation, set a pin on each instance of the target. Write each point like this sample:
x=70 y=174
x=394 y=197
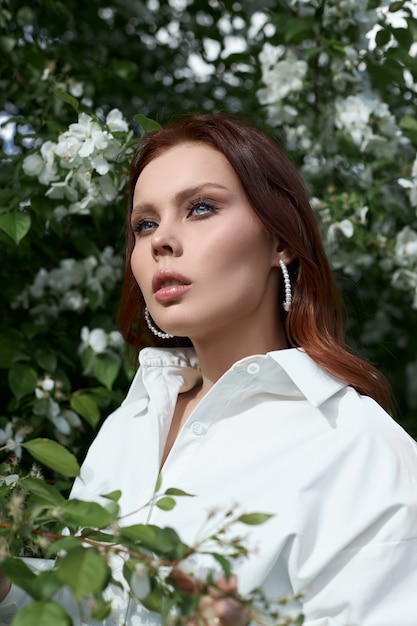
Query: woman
x=249 y=395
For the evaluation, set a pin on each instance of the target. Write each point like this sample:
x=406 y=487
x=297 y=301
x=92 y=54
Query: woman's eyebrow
x=185 y=194
x=181 y=196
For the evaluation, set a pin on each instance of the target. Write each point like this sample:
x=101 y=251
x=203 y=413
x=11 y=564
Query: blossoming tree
x=338 y=83
x=333 y=80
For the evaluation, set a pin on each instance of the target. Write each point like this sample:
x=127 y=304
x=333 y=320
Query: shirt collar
x=180 y=366
x=313 y=381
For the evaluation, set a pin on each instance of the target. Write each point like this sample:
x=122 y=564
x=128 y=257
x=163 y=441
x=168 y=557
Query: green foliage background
x=134 y=56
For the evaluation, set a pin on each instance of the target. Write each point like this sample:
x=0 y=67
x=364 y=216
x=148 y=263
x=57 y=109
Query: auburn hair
x=280 y=199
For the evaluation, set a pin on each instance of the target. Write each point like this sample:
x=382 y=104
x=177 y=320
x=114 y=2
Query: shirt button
x=253 y=368
x=197 y=428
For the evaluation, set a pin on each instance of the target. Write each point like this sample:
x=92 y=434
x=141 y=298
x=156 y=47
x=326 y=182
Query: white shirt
x=275 y=434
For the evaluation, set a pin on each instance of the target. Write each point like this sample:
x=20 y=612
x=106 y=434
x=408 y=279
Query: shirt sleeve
x=355 y=556
x=16 y=598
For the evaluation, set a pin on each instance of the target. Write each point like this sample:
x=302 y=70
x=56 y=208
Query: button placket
x=253 y=368
x=197 y=428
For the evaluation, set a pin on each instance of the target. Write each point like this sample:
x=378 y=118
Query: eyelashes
x=200 y=208
x=143 y=225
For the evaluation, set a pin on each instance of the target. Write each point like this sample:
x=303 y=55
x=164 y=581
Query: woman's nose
x=166 y=240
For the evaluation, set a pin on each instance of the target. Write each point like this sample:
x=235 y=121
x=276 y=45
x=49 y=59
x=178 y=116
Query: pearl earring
x=287 y=286
x=152 y=328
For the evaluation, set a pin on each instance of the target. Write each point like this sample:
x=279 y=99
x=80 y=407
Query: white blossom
x=76 y=88
x=63 y=419
x=411 y=184
x=345 y=227
x=42 y=165
x=115 y=340
x=100 y=164
x=100 y=341
x=11 y=479
x=115 y=121
x=88 y=134
x=71 y=417
x=352 y=115
x=44 y=387
x=305 y=8
x=69 y=286
x=11 y=440
x=406 y=247
x=68 y=151
x=369 y=123
x=73 y=300
x=80 y=168
x=96 y=339
x=63 y=189
x=280 y=77
x=140 y=583
x=362 y=213
x=201 y=567
x=406 y=280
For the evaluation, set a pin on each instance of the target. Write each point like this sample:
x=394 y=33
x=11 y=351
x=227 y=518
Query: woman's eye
x=201 y=208
x=144 y=226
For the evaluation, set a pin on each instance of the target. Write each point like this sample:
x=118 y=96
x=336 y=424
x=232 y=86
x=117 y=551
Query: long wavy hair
x=279 y=198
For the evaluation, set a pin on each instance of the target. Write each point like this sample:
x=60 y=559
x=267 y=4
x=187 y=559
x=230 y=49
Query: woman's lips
x=168 y=285
x=171 y=292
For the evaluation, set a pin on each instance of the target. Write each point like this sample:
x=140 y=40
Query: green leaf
x=383 y=36
x=53 y=455
x=167 y=606
x=7 y=44
x=253 y=519
x=19 y=574
x=25 y=16
x=105 y=369
x=44 y=493
x=8 y=347
x=297 y=30
x=42 y=614
x=85 y=405
x=148 y=125
x=46 y=360
x=84 y=571
x=166 y=504
x=408 y=123
x=158 y=483
x=396 y=6
x=163 y=541
x=15 y=224
x=64 y=544
x=81 y=513
x=101 y=610
x=46 y=585
x=40 y=586
x=113 y=495
x=225 y=564
x=153 y=601
x=22 y=379
x=404 y=36
x=125 y=69
x=409 y=126
x=66 y=97
x=97 y=535
x=172 y=491
x=336 y=46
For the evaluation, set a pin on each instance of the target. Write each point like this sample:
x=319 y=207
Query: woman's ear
x=282 y=254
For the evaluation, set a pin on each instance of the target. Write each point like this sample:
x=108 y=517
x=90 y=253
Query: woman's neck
x=217 y=355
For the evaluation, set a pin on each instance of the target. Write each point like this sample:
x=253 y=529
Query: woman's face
x=202 y=259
